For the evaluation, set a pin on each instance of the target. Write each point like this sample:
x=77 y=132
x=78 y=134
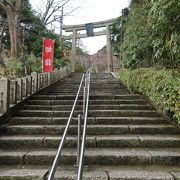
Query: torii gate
x=90 y=33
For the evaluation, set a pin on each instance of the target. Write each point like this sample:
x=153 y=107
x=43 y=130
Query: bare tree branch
x=9 y=3
x=52 y=7
x=70 y=12
x=2 y=5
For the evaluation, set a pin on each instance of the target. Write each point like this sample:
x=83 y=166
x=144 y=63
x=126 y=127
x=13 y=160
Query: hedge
x=161 y=86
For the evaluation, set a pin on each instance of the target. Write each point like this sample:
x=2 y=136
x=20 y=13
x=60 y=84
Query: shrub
x=1 y=72
x=161 y=86
x=79 y=68
x=14 y=68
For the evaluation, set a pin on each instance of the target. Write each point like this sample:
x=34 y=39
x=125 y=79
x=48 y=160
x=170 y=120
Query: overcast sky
x=90 y=11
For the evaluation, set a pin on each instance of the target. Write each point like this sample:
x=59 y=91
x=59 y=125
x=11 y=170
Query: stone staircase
x=126 y=138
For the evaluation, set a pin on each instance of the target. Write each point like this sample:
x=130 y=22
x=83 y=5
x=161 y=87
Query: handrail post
x=79 y=140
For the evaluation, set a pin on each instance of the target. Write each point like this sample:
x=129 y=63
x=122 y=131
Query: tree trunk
x=13 y=17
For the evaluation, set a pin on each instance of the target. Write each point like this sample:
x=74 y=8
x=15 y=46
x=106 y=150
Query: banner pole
x=43 y=56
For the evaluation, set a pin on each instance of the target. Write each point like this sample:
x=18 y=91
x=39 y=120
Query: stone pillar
x=109 y=49
x=46 y=79
x=34 y=76
x=73 y=50
x=13 y=92
x=29 y=85
x=39 y=81
x=49 y=79
x=4 y=95
x=19 y=89
x=25 y=89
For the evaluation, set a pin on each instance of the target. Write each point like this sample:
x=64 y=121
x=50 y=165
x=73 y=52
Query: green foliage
x=1 y=72
x=151 y=34
x=93 y=69
x=34 y=64
x=136 y=46
x=61 y=63
x=79 y=68
x=14 y=68
x=164 y=24
x=32 y=34
x=161 y=86
x=116 y=35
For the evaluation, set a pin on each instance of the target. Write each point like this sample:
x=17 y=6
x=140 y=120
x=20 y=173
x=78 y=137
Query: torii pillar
x=73 y=50
x=109 y=49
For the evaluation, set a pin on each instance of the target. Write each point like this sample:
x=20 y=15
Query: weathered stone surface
x=71 y=175
x=30 y=120
x=153 y=129
x=166 y=157
x=139 y=175
x=159 y=141
x=122 y=113
x=113 y=120
x=22 y=174
x=25 y=129
x=176 y=175
x=148 y=120
x=126 y=138
x=35 y=113
x=107 y=129
x=29 y=142
x=37 y=107
x=117 y=156
x=12 y=157
x=118 y=141
x=39 y=102
x=71 y=142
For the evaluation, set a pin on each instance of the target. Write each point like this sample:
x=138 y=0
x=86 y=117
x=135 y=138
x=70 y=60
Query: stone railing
x=15 y=91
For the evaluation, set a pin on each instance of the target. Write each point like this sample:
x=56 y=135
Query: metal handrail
x=57 y=157
x=81 y=158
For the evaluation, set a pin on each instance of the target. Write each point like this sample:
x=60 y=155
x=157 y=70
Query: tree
x=53 y=7
x=13 y=11
x=151 y=34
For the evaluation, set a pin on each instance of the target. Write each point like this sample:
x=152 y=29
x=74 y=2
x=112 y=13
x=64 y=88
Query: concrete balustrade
x=14 y=91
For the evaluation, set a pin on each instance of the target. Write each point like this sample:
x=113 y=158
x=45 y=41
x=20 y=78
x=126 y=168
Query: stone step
x=94 y=93
x=99 y=97
x=94 y=156
x=91 y=107
x=111 y=81
x=108 y=141
x=75 y=89
x=91 y=120
x=92 y=129
x=91 y=113
x=25 y=172
x=126 y=138
x=91 y=102
x=31 y=142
